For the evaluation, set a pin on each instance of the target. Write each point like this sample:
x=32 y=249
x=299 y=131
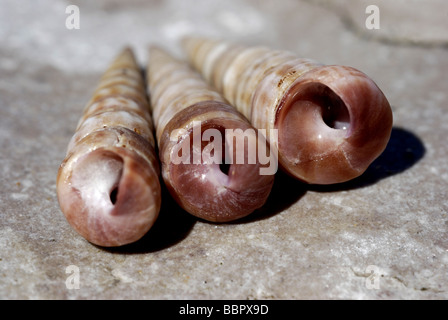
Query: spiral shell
x=183 y=106
x=332 y=121
x=108 y=184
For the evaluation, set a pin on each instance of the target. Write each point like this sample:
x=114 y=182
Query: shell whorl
x=173 y=86
x=332 y=121
x=108 y=184
x=181 y=100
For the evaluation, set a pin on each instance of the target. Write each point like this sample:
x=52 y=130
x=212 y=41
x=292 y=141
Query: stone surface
x=308 y=242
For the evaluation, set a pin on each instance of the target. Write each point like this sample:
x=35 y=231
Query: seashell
x=186 y=111
x=332 y=121
x=108 y=185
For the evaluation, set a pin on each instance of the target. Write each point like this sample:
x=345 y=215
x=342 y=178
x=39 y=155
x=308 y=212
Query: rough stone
x=308 y=242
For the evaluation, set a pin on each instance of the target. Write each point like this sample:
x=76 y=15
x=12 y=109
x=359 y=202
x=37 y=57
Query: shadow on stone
x=403 y=151
x=285 y=192
x=172 y=226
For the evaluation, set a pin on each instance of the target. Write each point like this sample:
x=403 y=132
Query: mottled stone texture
x=308 y=242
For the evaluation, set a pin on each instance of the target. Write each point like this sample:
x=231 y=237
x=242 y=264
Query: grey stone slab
x=308 y=242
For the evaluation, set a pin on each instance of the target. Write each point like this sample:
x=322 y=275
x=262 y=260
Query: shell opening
x=113 y=195
x=312 y=112
x=214 y=153
x=97 y=177
x=225 y=164
x=312 y=123
x=334 y=111
x=223 y=185
x=225 y=168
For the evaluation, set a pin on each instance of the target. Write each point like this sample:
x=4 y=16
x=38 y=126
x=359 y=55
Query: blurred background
x=331 y=31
